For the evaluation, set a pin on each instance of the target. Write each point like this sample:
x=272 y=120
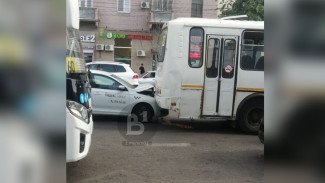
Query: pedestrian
x=141 y=69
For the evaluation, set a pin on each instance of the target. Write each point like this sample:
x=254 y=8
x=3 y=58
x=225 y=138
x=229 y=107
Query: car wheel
x=250 y=116
x=140 y=110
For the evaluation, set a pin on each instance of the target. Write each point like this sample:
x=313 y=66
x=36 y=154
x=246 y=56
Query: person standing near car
x=141 y=69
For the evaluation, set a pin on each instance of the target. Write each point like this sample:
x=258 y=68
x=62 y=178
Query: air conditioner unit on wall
x=109 y=47
x=99 y=47
x=141 y=53
x=145 y=4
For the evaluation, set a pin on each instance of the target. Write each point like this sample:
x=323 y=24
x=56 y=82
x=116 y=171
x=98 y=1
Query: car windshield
x=125 y=83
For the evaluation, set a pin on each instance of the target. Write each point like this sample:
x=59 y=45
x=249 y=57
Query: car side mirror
x=121 y=87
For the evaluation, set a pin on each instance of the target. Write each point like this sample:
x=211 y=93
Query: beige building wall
x=137 y=22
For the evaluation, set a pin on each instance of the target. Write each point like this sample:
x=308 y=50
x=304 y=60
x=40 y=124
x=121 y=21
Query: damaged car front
x=114 y=96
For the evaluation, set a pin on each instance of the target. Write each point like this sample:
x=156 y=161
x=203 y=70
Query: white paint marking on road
x=169 y=144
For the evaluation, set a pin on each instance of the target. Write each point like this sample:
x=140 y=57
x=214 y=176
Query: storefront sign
x=111 y=35
x=88 y=38
x=145 y=37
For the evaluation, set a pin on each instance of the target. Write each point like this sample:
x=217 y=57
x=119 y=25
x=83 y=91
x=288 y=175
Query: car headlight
x=78 y=110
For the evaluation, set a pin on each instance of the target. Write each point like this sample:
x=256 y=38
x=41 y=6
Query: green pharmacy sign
x=110 y=35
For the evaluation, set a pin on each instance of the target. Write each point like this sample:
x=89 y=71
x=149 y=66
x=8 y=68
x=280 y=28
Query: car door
x=107 y=98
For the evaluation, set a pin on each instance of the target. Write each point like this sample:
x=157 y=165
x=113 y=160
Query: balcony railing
x=88 y=14
x=161 y=16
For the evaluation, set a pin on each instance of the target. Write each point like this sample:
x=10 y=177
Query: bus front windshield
x=162 y=45
x=74 y=56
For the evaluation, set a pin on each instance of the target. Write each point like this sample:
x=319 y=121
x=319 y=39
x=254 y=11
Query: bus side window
x=196 y=47
x=229 y=56
x=252 y=51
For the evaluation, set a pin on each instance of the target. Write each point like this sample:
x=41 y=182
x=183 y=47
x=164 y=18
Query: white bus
x=212 y=69
x=79 y=123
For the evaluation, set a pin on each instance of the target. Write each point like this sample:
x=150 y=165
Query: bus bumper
x=78 y=137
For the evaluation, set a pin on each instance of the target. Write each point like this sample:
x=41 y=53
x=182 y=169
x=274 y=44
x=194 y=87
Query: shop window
x=88 y=57
x=196 y=10
x=122 y=51
x=124 y=6
x=252 y=51
x=196 y=47
x=122 y=43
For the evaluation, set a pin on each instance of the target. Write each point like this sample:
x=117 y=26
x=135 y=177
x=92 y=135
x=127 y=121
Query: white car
x=111 y=95
x=148 y=77
x=122 y=70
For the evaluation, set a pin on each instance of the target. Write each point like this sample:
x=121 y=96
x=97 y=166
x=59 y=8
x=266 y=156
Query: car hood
x=143 y=87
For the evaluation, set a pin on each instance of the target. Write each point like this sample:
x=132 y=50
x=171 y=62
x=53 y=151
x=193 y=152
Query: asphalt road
x=169 y=152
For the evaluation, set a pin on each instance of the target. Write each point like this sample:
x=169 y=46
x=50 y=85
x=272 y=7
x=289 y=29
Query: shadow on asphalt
x=221 y=127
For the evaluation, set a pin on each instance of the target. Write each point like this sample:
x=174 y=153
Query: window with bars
x=196 y=10
x=162 y=5
x=86 y=3
x=124 y=6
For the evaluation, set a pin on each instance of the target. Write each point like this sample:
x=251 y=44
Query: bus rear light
x=173 y=103
x=135 y=76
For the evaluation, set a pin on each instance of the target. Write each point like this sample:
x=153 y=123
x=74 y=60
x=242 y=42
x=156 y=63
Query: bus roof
x=218 y=23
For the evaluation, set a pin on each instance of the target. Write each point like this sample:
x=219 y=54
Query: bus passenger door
x=212 y=59
x=219 y=75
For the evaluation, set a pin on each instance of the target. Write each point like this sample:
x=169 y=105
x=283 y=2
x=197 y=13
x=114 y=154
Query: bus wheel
x=250 y=116
x=142 y=109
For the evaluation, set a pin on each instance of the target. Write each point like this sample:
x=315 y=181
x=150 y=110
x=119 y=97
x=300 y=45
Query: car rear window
x=92 y=66
x=119 y=68
x=107 y=68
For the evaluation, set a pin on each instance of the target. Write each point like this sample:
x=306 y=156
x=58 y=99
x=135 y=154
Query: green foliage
x=254 y=9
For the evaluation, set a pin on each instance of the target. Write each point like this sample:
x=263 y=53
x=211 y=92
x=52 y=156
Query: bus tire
x=140 y=108
x=250 y=116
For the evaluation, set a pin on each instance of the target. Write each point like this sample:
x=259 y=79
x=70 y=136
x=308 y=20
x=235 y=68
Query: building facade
x=127 y=30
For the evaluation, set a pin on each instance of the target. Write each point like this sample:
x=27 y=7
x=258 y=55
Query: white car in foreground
x=122 y=70
x=112 y=95
x=148 y=77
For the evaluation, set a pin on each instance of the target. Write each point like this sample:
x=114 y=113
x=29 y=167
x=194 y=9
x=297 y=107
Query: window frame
x=86 y=3
x=168 y=8
x=93 y=82
x=100 y=66
x=214 y=66
x=202 y=49
x=196 y=12
x=124 y=7
x=222 y=65
x=253 y=45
